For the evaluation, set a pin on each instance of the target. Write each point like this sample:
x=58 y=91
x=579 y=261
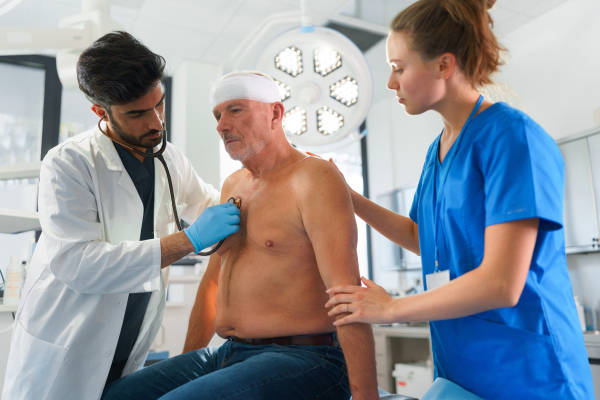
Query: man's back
x=269 y=283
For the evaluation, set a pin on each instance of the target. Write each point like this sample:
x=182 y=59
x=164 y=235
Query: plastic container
x=412 y=379
x=12 y=288
x=580 y=312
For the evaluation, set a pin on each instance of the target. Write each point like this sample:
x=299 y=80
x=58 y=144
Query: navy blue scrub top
x=142 y=176
x=506 y=168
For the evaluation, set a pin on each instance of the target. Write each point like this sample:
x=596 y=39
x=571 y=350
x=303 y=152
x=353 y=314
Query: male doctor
x=95 y=291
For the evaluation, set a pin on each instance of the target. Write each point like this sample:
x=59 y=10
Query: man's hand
x=214 y=225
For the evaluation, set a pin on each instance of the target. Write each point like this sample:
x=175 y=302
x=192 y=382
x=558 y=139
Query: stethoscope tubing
x=160 y=157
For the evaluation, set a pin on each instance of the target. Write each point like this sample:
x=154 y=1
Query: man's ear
x=99 y=111
x=278 y=113
x=447 y=65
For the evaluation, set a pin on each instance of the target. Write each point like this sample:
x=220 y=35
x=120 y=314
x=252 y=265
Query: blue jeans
x=240 y=371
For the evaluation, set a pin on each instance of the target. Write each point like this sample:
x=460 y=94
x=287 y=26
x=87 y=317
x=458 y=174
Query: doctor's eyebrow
x=143 y=111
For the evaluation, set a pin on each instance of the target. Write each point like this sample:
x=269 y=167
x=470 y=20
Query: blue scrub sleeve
x=523 y=173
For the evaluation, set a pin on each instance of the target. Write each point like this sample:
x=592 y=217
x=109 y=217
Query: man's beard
x=141 y=141
x=248 y=151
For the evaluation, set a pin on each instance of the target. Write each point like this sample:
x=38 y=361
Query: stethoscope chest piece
x=237 y=201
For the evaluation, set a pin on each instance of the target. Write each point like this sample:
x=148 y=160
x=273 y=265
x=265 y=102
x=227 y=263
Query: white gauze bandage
x=246 y=86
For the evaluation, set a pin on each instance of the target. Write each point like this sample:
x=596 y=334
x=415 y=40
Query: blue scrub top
x=506 y=168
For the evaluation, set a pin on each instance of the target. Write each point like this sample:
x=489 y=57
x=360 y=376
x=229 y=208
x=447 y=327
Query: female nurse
x=486 y=220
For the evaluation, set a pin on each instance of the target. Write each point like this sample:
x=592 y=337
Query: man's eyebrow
x=229 y=107
x=142 y=111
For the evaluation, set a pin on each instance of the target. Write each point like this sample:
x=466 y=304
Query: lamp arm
x=12 y=39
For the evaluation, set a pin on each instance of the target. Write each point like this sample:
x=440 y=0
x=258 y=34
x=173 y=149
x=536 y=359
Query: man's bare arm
x=202 y=319
x=173 y=248
x=328 y=217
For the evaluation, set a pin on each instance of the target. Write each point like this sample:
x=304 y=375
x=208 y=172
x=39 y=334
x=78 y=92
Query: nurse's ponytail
x=460 y=27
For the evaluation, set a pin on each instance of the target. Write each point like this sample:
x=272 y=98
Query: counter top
x=402 y=331
x=592 y=344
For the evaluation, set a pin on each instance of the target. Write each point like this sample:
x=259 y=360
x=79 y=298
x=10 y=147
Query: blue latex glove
x=214 y=224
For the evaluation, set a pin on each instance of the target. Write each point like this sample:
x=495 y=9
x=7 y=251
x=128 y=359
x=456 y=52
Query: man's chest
x=270 y=219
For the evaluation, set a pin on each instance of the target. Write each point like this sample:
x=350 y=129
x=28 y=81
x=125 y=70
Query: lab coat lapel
x=113 y=162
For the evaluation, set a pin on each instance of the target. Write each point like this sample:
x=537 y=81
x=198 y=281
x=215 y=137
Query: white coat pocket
x=21 y=372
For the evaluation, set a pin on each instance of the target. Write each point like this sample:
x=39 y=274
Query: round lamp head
x=325 y=85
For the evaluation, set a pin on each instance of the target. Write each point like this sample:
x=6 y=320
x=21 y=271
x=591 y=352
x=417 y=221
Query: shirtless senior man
x=264 y=289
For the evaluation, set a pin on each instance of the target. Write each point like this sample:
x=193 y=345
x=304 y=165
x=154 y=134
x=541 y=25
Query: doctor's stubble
x=133 y=140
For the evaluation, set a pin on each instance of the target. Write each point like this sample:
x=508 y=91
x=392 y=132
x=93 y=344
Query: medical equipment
x=324 y=80
x=158 y=154
x=12 y=288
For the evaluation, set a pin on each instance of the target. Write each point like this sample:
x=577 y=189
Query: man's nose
x=223 y=125
x=156 y=121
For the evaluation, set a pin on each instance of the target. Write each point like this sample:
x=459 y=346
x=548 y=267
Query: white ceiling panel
x=25 y=14
x=174 y=44
x=124 y=15
x=519 y=6
x=251 y=14
x=219 y=50
x=51 y=12
x=205 y=16
x=323 y=6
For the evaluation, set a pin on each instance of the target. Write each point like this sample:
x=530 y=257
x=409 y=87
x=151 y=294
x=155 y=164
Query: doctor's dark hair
x=460 y=27
x=118 y=69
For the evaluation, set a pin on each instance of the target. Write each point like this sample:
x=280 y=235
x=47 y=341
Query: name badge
x=437 y=279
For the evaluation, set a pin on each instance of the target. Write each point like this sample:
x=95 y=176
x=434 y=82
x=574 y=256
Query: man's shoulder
x=316 y=170
x=71 y=150
x=315 y=175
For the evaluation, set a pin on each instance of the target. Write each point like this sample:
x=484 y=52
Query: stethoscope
x=159 y=155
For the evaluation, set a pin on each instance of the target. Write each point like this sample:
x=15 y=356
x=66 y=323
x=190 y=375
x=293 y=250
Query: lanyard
x=449 y=160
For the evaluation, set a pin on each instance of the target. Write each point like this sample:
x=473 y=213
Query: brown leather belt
x=326 y=339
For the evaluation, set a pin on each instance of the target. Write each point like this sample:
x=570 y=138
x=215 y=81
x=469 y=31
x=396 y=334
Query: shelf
x=8 y=308
x=185 y=278
x=417 y=332
x=20 y=171
x=15 y=221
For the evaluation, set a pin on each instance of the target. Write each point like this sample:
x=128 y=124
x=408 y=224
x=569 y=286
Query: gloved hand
x=214 y=224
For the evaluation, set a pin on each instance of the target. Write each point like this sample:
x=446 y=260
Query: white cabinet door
x=409 y=259
x=389 y=252
x=580 y=217
x=594 y=152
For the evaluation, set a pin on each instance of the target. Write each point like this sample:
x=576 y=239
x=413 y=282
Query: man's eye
x=398 y=71
x=136 y=115
x=236 y=110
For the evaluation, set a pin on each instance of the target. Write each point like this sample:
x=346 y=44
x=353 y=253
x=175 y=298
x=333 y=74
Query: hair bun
x=490 y=3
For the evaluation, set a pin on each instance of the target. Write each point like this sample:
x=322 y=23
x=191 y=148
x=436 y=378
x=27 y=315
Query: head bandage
x=245 y=86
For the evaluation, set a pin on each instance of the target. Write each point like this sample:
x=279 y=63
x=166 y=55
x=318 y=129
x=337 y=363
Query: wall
x=193 y=126
x=552 y=65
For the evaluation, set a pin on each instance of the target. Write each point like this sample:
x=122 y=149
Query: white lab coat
x=88 y=259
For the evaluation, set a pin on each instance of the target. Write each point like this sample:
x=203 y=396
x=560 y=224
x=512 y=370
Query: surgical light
x=284 y=90
x=329 y=121
x=326 y=60
x=294 y=121
x=345 y=91
x=289 y=60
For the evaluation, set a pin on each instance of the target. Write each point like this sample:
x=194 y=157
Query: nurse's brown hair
x=460 y=27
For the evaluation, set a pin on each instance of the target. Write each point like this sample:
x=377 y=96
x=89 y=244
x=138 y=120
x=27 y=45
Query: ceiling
x=208 y=30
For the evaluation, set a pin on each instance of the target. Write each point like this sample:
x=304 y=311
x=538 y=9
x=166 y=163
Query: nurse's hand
x=330 y=160
x=370 y=305
x=213 y=225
